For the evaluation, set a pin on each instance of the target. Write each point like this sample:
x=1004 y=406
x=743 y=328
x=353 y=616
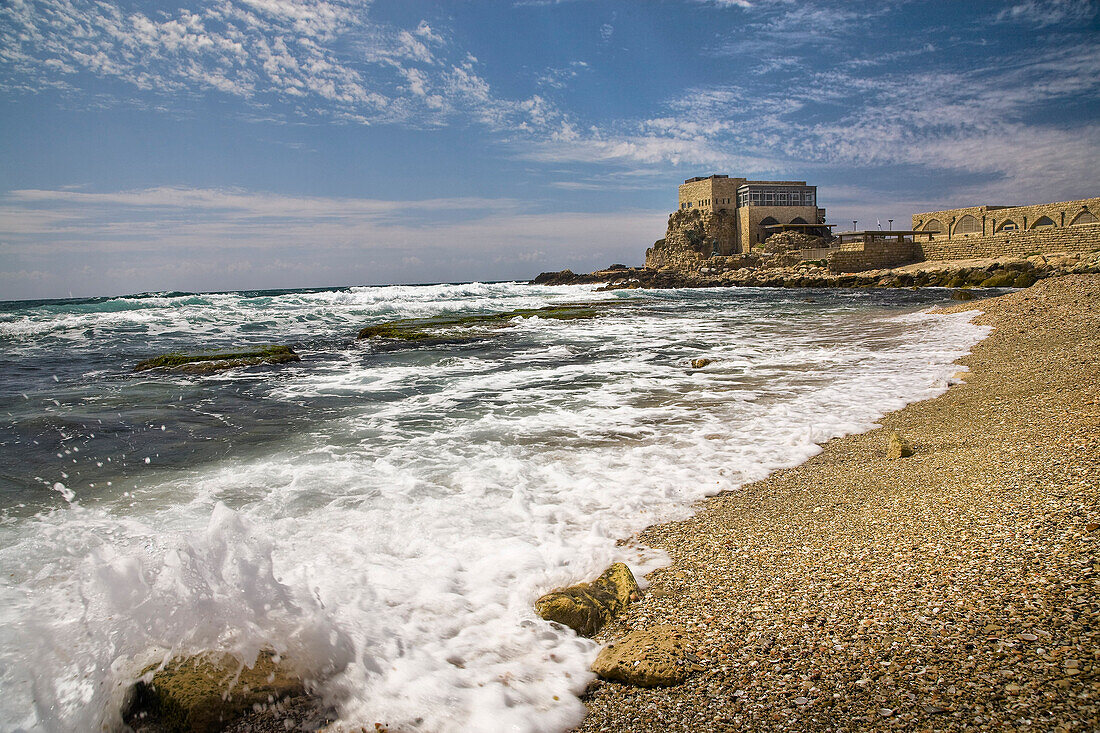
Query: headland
x=729 y=231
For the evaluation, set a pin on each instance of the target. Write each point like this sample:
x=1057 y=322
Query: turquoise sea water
x=385 y=516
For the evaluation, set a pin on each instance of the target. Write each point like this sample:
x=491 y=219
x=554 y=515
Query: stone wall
x=710 y=194
x=874 y=255
x=1079 y=238
x=984 y=221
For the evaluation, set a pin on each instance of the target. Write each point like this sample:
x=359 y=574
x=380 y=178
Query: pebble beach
x=953 y=589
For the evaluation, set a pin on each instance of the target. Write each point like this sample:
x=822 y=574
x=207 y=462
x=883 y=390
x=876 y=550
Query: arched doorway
x=761 y=233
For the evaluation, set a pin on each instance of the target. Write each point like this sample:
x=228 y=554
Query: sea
x=384 y=515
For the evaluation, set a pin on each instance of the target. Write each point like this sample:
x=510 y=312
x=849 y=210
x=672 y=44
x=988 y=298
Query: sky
x=246 y=144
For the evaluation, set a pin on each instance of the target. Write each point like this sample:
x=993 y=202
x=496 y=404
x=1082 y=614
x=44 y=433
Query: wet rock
x=206 y=693
x=448 y=329
x=962 y=295
x=561 y=277
x=700 y=363
x=655 y=657
x=208 y=362
x=898 y=447
x=586 y=607
x=1000 y=279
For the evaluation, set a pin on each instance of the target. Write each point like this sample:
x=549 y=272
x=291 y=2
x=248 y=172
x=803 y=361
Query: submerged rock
x=700 y=363
x=898 y=447
x=655 y=657
x=445 y=329
x=586 y=607
x=216 y=361
x=206 y=693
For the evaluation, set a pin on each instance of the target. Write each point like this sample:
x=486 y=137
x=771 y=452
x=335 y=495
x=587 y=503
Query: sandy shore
x=955 y=589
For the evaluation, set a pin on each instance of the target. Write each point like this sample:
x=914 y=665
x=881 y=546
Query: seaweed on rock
x=443 y=328
x=212 y=361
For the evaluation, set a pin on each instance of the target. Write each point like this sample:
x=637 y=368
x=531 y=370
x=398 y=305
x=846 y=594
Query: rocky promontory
x=786 y=271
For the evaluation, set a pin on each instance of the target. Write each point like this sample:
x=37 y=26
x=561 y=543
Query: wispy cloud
x=988 y=120
x=1043 y=13
x=307 y=56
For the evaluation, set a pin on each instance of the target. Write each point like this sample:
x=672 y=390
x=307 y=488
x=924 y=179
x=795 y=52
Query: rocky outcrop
x=656 y=657
x=772 y=272
x=693 y=235
x=206 y=693
x=788 y=241
x=586 y=607
x=215 y=361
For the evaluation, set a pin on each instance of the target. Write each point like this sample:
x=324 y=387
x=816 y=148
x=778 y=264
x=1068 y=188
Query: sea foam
x=392 y=544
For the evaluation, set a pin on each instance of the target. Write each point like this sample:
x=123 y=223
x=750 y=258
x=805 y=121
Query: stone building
x=744 y=210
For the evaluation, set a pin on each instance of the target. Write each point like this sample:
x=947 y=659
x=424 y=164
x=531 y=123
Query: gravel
x=953 y=589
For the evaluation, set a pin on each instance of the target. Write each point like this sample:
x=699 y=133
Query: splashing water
x=386 y=517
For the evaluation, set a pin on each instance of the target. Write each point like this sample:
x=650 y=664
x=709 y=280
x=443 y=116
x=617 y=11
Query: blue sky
x=236 y=144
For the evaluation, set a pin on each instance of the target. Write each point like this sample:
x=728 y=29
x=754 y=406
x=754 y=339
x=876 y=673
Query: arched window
x=1043 y=222
x=799 y=220
x=1007 y=226
x=1085 y=217
x=968 y=225
x=933 y=225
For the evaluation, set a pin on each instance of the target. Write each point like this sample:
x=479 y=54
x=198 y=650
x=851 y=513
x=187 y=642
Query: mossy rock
x=1024 y=280
x=214 y=361
x=962 y=295
x=976 y=277
x=586 y=607
x=205 y=693
x=1000 y=279
x=436 y=328
x=955 y=281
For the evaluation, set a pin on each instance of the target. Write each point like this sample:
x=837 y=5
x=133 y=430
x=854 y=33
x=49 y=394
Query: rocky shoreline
x=784 y=271
x=952 y=589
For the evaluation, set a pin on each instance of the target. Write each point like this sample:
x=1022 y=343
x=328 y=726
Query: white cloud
x=316 y=56
x=727 y=3
x=988 y=121
x=1043 y=13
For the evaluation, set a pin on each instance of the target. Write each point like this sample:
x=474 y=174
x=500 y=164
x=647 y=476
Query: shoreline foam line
x=951 y=589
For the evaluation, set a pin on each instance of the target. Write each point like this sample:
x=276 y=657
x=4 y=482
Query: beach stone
x=655 y=657
x=961 y=294
x=586 y=607
x=898 y=447
x=204 y=693
x=700 y=363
